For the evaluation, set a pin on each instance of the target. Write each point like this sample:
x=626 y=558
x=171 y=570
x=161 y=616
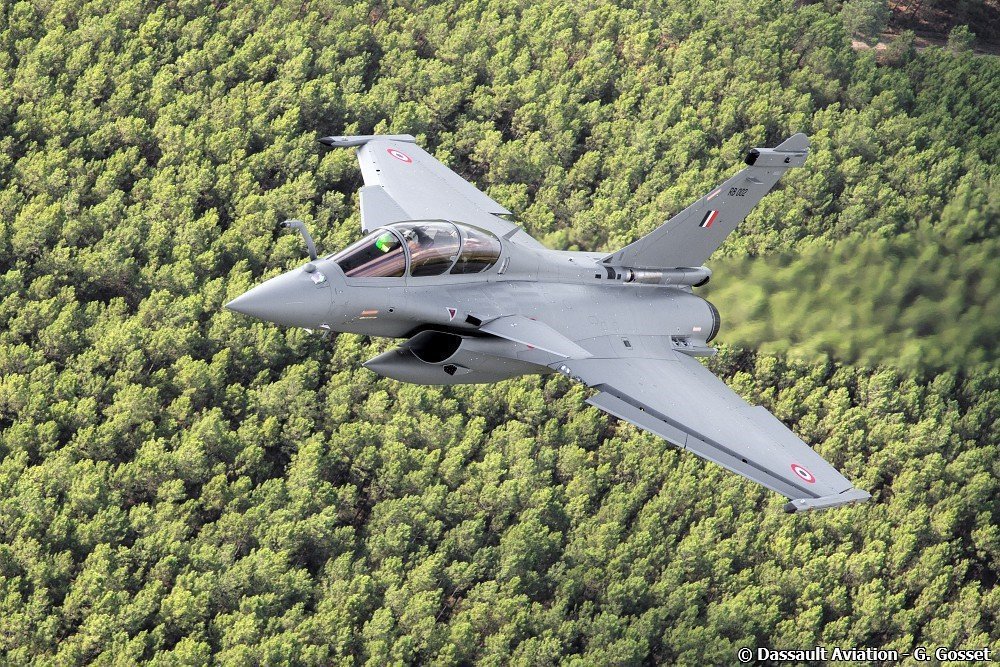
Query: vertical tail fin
x=688 y=238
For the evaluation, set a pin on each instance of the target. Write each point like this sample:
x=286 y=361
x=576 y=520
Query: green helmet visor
x=386 y=242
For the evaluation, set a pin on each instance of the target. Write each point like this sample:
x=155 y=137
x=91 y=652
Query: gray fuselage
x=574 y=293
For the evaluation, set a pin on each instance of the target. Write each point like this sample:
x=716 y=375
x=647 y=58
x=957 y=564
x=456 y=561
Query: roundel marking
x=399 y=155
x=803 y=474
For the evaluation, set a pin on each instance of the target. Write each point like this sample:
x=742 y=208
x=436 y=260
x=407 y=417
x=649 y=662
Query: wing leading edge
x=681 y=401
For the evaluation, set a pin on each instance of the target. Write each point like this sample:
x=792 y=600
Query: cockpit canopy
x=430 y=248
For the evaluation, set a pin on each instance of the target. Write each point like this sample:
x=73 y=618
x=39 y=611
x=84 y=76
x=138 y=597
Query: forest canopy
x=182 y=485
x=921 y=301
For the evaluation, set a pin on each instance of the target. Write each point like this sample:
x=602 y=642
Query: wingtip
x=347 y=141
x=797 y=142
x=849 y=497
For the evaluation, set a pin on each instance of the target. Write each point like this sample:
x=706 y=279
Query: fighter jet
x=476 y=299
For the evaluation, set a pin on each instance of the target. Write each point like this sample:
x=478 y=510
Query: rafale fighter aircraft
x=479 y=300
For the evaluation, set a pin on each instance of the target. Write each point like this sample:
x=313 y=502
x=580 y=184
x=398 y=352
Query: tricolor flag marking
x=713 y=195
x=709 y=218
x=368 y=314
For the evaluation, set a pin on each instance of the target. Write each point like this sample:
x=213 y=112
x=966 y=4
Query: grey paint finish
x=531 y=332
x=378 y=209
x=441 y=358
x=292 y=299
x=680 y=393
x=627 y=324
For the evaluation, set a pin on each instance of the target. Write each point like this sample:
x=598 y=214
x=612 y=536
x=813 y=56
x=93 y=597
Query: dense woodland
x=183 y=485
x=920 y=301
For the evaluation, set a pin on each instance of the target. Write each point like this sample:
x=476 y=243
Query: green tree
x=961 y=39
x=182 y=485
x=865 y=19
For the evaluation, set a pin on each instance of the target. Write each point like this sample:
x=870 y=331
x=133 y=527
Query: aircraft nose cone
x=253 y=303
x=291 y=299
